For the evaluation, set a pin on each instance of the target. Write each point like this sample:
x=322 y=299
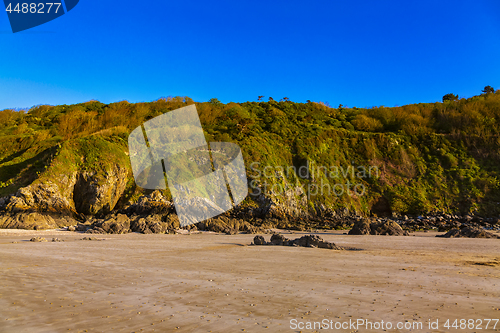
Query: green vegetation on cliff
x=416 y=158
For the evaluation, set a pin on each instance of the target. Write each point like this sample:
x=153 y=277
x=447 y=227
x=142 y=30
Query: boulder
x=113 y=224
x=469 y=232
x=152 y=204
x=278 y=239
x=259 y=240
x=38 y=239
x=228 y=225
x=149 y=225
x=313 y=241
x=387 y=228
x=361 y=227
x=367 y=227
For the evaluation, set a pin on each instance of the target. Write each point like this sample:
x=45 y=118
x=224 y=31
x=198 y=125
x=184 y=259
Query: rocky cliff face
x=43 y=197
x=96 y=194
x=290 y=203
x=55 y=202
x=34 y=221
x=89 y=193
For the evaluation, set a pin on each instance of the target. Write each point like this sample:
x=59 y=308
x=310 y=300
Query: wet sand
x=218 y=283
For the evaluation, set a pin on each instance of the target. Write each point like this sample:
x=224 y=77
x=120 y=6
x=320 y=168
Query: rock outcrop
x=34 y=221
x=114 y=224
x=228 y=225
x=367 y=227
x=304 y=241
x=45 y=204
x=98 y=193
x=152 y=204
x=151 y=225
x=314 y=241
x=41 y=197
x=292 y=202
x=153 y=213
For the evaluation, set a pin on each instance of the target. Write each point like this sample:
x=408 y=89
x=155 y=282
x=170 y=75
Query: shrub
x=367 y=124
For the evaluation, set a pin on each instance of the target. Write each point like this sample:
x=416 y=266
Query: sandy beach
x=211 y=282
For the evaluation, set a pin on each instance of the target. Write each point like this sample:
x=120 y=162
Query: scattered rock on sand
x=468 y=232
x=366 y=227
x=91 y=239
x=38 y=239
x=304 y=241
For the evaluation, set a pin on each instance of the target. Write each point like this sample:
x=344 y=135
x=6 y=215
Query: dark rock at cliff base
x=70 y=194
x=113 y=224
x=122 y=224
x=96 y=230
x=367 y=227
x=152 y=204
x=42 y=197
x=83 y=227
x=149 y=225
x=388 y=228
x=34 y=221
x=361 y=227
x=304 y=241
x=468 y=232
x=228 y=225
x=98 y=193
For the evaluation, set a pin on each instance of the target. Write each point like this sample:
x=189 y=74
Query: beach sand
x=218 y=283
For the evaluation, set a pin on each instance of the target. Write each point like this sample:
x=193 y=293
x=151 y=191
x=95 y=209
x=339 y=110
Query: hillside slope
x=302 y=159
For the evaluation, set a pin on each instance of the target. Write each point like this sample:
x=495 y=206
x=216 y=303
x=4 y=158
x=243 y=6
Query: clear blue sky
x=358 y=53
